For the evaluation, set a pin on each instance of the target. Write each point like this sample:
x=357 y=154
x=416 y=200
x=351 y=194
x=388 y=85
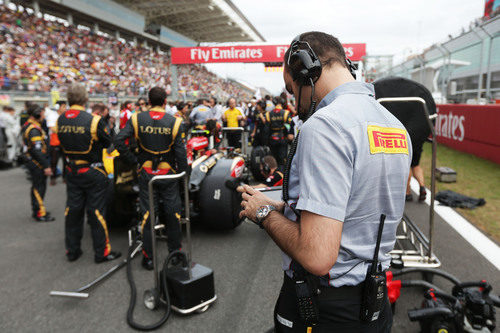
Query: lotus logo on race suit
x=387 y=140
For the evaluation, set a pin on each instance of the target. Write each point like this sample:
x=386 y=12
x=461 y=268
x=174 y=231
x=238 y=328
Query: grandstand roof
x=200 y=20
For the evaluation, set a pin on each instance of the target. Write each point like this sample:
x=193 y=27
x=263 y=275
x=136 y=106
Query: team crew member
x=341 y=180
x=36 y=143
x=269 y=169
x=200 y=114
x=162 y=150
x=277 y=140
x=83 y=137
x=55 y=149
x=260 y=131
x=216 y=110
x=269 y=103
x=232 y=116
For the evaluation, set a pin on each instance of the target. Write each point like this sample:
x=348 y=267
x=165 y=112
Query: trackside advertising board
x=473 y=129
x=249 y=53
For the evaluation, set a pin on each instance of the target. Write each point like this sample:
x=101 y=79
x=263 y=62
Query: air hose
x=133 y=296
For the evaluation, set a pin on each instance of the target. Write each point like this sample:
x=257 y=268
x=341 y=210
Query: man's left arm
x=325 y=161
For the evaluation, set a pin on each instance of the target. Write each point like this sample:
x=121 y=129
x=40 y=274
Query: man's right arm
x=121 y=146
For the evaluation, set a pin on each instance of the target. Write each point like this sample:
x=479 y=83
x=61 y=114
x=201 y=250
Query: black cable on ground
x=434 y=271
x=133 y=296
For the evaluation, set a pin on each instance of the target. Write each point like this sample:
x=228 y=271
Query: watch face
x=262 y=212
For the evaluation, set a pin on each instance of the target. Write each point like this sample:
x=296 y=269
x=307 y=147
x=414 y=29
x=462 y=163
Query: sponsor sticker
x=387 y=140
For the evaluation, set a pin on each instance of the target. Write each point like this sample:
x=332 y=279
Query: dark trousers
x=38 y=188
x=86 y=190
x=339 y=312
x=55 y=155
x=233 y=139
x=278 y=150
x=167 y=207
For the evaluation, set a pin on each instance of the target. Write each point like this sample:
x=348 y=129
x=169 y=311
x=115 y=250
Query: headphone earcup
x=306 y=68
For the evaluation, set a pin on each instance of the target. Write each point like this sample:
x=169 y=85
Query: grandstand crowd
x=39 y=55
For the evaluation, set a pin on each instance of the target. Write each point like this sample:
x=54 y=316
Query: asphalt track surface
x=246 y=264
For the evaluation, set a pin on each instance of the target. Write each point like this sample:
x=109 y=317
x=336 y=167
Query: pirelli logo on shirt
x=387 y=140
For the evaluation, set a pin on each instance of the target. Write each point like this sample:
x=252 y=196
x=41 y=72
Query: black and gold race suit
x=277 y=133
x=161 y=150
x=83 y=137
x=36 y=153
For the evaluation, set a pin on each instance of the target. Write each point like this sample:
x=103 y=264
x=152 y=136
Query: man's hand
x=253 y=200
x=47 y=171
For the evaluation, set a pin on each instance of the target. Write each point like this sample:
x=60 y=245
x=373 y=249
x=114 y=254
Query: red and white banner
x=473 y=129
x=250 y=53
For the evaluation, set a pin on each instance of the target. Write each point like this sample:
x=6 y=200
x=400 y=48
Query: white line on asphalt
x=485 y=246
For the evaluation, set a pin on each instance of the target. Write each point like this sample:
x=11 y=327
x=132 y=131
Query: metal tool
x=79 y=293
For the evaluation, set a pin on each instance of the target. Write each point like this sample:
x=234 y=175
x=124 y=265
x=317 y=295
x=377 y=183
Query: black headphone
x=303 y=62
x=307 y=63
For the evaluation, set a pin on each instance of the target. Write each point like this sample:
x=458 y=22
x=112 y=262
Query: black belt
x=329 y=293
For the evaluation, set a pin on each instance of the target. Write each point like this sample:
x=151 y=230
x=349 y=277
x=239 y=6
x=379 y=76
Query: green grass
x=476 y=177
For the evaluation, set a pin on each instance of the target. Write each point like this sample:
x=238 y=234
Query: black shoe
x=46 y=218
x=111 y=256
x=423 y=194
x=147 y=263
x=409 y=197
x=72 y=256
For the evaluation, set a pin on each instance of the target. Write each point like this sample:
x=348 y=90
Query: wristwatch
x=262 y=213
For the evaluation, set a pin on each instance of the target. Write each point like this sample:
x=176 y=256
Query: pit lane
x=246 y=264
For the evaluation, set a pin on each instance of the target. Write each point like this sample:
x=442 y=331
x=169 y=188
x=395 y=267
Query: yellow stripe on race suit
x=93 y=128
x=41 y=207
x=103 y=223
x=144 y=219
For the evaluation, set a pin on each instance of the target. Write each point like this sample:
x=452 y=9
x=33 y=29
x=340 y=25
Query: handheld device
x=374 y=289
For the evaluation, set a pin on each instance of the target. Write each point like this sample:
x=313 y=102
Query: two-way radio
x=374 y=289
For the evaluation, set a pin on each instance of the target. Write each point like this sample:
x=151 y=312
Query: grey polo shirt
x=351 y=165
x=200 y=114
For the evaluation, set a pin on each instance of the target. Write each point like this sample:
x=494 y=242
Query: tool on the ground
x=186 y=287
x=412 y=248
x=446 y=175
x=80 y=292
x=470 y=307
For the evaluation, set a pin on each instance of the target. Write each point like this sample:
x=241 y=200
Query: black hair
x=327 y=47
x=142 y=99
x=61 y=102
x=34 y=110
x=157 y=96
x=268 y=98
x=262 y=104
x=180 y=106
x=279 y=100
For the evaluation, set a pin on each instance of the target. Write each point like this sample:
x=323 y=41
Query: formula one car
x=215 y=173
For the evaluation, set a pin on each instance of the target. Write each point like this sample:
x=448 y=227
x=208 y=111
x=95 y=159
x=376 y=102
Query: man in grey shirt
x=350 y=166
x=201 y=113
